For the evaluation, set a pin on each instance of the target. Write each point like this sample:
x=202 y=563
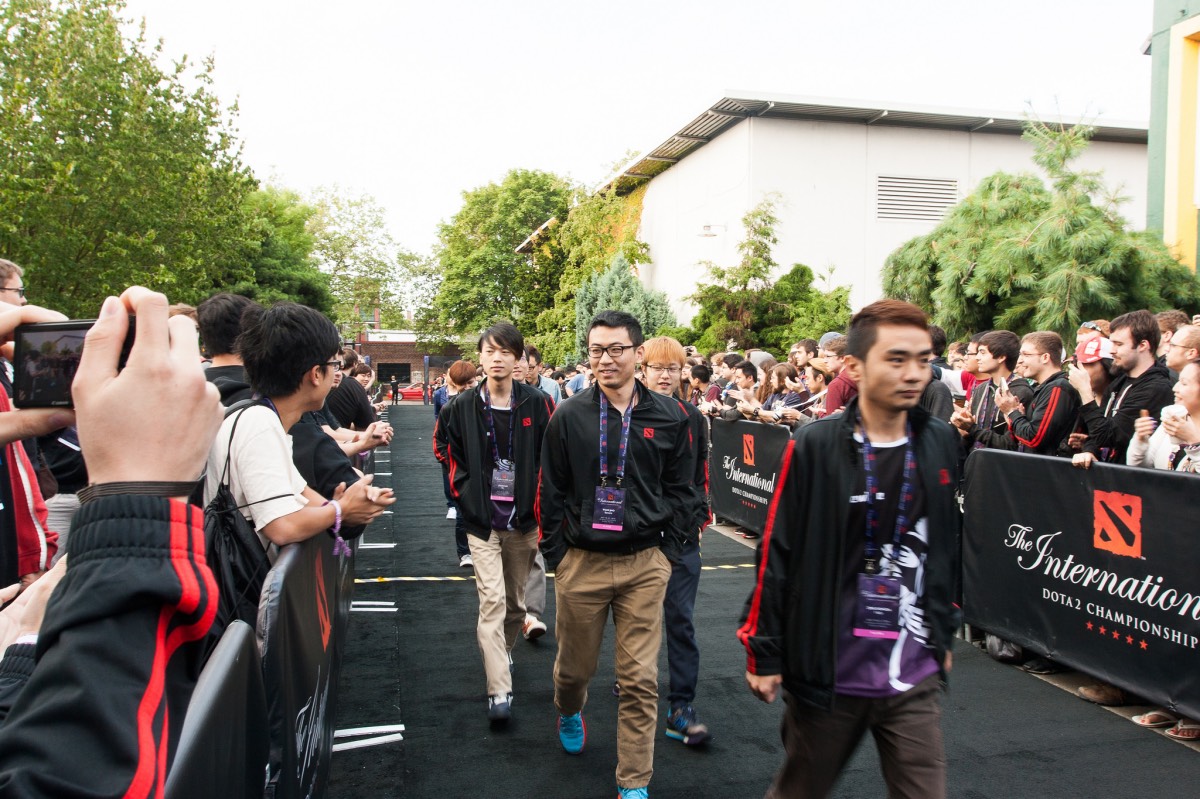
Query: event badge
x=878 y=611
x=504 y=481
x=609 y=511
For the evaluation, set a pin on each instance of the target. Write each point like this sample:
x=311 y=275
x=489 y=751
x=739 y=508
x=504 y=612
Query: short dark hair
x=533 y=353
x=702 y=373
x=558 y=374
x=349 y=358
x=505 y=336
x=1003 y=345
x=939 y=340
x=618 y=319
x=733 y=360
x=978 y=337
x=809 y=345
x=748 y=369
x=865 y=324
x=280 y=344
x=1050 y=343
x=220 y=321
x=1143 y=326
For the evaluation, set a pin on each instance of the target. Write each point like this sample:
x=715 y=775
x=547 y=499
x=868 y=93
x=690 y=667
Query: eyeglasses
x=20 y=291
x=972 y=353
x=614 y=350
x=674 y=370
x=335 y=364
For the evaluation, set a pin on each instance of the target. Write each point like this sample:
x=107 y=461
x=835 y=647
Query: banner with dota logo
x=1098 y=569
x=742 y=470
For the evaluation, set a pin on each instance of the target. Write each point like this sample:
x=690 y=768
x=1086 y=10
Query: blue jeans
x=460 y=526
x=683 y=655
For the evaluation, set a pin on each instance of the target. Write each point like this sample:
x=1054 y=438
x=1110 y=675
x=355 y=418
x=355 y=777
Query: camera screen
x=46 y=365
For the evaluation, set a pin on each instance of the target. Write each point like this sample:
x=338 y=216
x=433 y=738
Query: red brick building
x=395 y=352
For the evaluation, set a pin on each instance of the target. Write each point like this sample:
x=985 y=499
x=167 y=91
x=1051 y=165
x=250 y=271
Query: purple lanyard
x=872 y=551
x=512 y=425
x=624 y=446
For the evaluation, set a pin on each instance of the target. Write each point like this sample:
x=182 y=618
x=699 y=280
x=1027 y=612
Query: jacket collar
x=917 y=416
x=520 y=393
x=643 y=394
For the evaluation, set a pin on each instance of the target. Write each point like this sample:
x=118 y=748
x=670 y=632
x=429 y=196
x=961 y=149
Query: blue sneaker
x=572 y=733
x=633 y=793
x=499 y=708
x=683 y=725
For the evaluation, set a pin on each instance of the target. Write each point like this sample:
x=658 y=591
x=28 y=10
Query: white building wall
x=825 y=174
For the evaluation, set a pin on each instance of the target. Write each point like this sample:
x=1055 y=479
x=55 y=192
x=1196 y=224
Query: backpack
x=235 y=555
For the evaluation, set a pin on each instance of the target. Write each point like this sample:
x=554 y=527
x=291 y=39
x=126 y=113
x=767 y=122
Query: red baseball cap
x=1093 y=350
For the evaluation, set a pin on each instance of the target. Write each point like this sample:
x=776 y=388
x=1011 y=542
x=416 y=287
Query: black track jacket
x=661 y=499
x=460 y=442
x=789 y=624
x=1049 y=418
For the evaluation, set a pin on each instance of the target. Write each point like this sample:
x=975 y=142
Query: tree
x=354 y=247
x=112 y=170
x=1020 y=256
x=745 y=304
x=281 y=260
x=483 y=278
x=618 y=289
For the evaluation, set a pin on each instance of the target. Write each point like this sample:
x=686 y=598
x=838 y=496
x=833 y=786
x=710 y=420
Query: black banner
x=743 y=468
x=1094 y=568
x=303 y=620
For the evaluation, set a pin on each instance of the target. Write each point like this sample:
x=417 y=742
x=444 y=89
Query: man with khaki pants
x=617 y=493
x=489 y=441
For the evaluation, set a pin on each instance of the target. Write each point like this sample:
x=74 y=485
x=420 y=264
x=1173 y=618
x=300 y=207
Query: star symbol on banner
x=1116 y=635
x=1091 y=626
x=1144 y=645
x=1129 y=640
x=1102 y=630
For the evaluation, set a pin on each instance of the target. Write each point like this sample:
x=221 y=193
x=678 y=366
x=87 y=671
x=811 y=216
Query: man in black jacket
x=220 y=321
x=618 y=489
x=852 y=611
x=981 y=424
x=1142 y=385
x=1050 y=417
x=489 y=441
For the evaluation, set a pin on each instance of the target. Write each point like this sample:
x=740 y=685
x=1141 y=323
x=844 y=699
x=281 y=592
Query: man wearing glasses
x=12 y=286
x=621 y=502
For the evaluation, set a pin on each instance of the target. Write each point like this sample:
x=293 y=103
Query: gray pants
x=60 y=510
x=535 y=588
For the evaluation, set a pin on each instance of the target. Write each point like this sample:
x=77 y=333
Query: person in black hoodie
x=618 y=489
x=1143 y=385
x=489 y=441
x=1051 y=414
x=852 y=610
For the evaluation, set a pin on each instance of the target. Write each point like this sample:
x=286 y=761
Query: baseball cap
x=1093 y=350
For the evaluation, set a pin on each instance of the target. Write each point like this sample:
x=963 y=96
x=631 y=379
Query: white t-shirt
x=261 y=467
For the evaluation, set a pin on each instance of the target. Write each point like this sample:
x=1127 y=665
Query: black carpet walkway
x=1008 y=734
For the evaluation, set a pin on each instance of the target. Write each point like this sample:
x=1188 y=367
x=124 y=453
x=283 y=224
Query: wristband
x=340 y=547
x=149 y=488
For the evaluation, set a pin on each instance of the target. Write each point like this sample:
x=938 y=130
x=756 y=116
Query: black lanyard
x=512 y=425
x=624 y=444
x=872 y=551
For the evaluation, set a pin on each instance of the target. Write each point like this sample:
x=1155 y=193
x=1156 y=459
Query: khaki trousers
x=586 y=585
x=501 y=568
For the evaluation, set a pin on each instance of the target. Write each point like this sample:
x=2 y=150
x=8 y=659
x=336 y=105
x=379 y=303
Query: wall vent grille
x=914 y=198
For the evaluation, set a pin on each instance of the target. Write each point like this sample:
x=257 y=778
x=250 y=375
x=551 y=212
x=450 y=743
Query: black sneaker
x=499 y=708
x=683 y=725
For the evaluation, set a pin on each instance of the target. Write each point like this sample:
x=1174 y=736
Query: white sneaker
x=451 y=513
x=466 y=562
x=533 y=628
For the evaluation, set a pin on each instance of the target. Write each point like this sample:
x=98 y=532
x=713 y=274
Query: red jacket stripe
x=1047 y=418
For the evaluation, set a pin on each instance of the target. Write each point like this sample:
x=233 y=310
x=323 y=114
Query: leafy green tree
x=353 y=246
x=1022 y=256
x=619 y=289
x=483 y=278
x=112 y=170
x=745 y=304
x=282 y=261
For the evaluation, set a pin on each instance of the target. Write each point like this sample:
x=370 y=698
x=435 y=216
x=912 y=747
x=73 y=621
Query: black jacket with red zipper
x=460 y=442
x=789 y=625
x=1049 y=418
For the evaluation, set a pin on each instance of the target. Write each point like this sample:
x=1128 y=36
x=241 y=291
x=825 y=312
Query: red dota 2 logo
x=748 y=449
x=1118 y=523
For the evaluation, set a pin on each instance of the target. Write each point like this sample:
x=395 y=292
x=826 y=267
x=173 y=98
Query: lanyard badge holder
x=504 y=474
x=877 y=613
x=608 y=511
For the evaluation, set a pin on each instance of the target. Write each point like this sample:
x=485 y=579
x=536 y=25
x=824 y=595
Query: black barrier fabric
x=301 y=605
x=743 y=468
x=223 y=747
x=1094 y=568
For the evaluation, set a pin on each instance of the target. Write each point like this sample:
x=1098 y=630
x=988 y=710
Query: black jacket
x=1110 y=424
x=997 y=435
x=1048 y=418
x=789 y=624
x=460 y=442
x=661 y=502
x=231 y=382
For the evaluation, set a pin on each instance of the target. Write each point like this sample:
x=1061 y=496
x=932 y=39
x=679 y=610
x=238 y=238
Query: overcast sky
x=414 y=103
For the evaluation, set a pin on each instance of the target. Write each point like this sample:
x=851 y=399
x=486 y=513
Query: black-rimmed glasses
x=614 y=350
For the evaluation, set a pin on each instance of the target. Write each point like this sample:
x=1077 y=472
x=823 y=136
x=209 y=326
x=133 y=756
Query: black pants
x=683 y=656
x=907 y=731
